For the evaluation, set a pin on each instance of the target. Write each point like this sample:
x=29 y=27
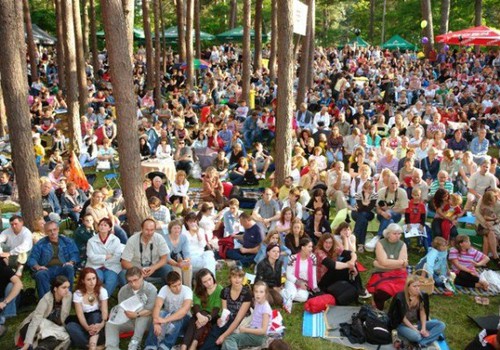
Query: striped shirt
x=466 y=259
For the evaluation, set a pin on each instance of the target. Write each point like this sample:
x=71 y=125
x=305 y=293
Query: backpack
x=376 y=325
x=354 y=331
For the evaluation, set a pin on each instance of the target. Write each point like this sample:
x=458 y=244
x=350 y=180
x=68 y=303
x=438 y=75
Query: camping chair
x=112 y=179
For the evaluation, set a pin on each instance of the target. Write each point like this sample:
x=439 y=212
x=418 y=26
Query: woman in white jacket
x=103 y=254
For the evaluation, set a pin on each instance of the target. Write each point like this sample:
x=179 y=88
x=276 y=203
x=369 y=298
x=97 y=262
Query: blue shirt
x=479 y=148
x=252 y=237
x=42 y=252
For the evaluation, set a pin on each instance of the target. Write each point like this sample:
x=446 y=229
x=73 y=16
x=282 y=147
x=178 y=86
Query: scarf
x=309 y=271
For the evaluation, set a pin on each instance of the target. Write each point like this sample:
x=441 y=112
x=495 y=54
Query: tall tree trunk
x=158 y=75
x=150 y=72
x=384 y=12
x=429 y=30
x=13 y=80
x=93 y=38
x=371 y=30
x=86 y=28
x=73 y=114
x=257 y=57
x=61 y=69
x=285 y=92
x=445 y=16
x=80 y=60
x=197 y=30
x=3 y=115
x=115 y=29
x=31 y=41
x=478 y=18
x=189 y=44
x=312 y=38
x=303 y=62
x=233 y=13
x=274 y=39
x=128 y=10
x=163 y=41
x=245 y=83
x=181 y=34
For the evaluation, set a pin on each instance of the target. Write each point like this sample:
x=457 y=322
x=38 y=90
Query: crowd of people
x=394 y=143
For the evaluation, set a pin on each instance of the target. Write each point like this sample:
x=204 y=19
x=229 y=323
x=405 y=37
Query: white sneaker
x=365 y=295
x=370 y=246
x=133 y=345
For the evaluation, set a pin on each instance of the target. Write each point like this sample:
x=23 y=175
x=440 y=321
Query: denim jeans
x=362 y=219
x=11 y=308
x=152 y=342
x=86 y=161
x=44 y=277
x=334 y=156
x=109 y=278
x=434 y=327
x=395 y=218
x=79 y=336
x=245 y=259
x=120 y=233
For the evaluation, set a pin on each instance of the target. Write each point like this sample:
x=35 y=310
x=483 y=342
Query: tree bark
x=157 y=91
x=73 y=113
x=478 y=18
x=429 y=30
x=80 y=60
x=181 y=34
x=189 y=44
x=61 y=69
x=312 y=38
x=93 y=39
x=13 y=80
x=445 y=16
x=115 y=30
x=86 y=28
x=304 y=59
x=163 y=41
x=233 y=14
x=149 y=46
x=31 y=41
x=128 y=10
x=384 y=12
x=285 y=92
x=371 y=30
x=3 y=116
x=257 y=57
x=197 y=30
x=274 y=40
x=245 y=84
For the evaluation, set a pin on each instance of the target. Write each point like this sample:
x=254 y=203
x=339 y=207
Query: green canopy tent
x=397 y=42
x=171 y=35
x=236 y=34
x=138 y=34
x=359 y=41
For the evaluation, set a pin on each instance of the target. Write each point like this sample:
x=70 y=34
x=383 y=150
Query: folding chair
x=112 y=180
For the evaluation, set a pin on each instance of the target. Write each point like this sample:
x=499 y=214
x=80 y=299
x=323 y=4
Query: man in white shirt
x=338 y=182
x=479 y=182
x=16 y=243
x=171 y=313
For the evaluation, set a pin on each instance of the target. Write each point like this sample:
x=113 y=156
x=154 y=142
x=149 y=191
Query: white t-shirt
x=173 y=302
x=78 y=299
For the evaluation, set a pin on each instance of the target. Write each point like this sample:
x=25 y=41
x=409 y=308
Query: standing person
x=91 y=306
x=170 y=313
x=49 y=316
x=207 y=305
x=255 y=333
x=464 y=261
x=16 y=242
x=300 y=276
x=137 y=321
x=104 y=251
x=52 y=256
x=409 y=314
x=148 y=251
x=236 y=298
x=249 y=241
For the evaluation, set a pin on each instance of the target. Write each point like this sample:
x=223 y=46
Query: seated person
x=139 y=321
x=248 y=242
x=50 y=202
x=148 y=251
x=392 y=204
x=170 y=313
x=5 y=186
x=339 y=183
x=317 y=225
x=464 y=263
x=231 y=218
x=435 y=262
x=266 y=212
x=157 y=190
x=391 y=260
x=72 y=201
x=46 y=265
x=16 y=243
x=269 y=270
x=83 y=233
x=443 y=181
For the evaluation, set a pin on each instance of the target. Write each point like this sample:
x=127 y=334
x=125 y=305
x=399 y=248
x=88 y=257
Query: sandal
x=478 y=300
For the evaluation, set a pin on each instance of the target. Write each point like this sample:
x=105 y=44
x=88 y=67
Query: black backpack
x=376 y=325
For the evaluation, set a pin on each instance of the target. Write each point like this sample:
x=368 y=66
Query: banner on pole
x=299 y=18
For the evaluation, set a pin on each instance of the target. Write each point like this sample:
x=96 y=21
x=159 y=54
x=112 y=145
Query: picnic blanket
x=336 y=315
x=313 y=325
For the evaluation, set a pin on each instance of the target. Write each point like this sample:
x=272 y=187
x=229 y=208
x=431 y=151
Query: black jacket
x=398 y=308
x=266 y=273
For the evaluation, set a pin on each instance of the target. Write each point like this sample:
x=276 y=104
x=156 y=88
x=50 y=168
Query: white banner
x=299 y=17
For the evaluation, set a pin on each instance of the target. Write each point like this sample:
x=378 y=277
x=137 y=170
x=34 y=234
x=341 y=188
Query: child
x=435 y=262
x=255 y=334
x=55 y=159
x=39 y=150
x=452 y=212
x=231 y=218
x=415 y=215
